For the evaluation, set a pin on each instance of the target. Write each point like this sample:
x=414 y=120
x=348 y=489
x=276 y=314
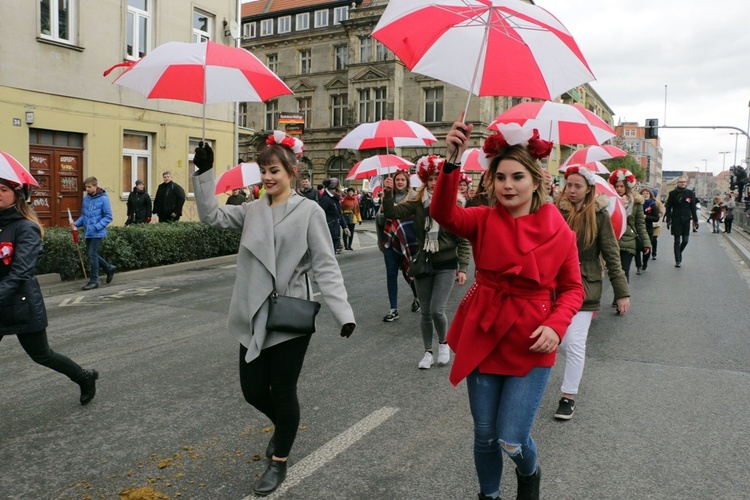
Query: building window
x=192 y=144
x=365 y=106
x=379 y=104
x=381 y=52
x=340 y=14
x=136 y=160
x=365 y=49
x=285 y=24
x=433 y=105
x=339 y=104
x=272 y=114
x=272 y=61
x=139 y=28
x=242 y=115
x=248 y=30
x=337 y=167
x=57 y=20
x=304 y=107
x=302 y=21
x=341 y=57
x=305 y=61
x=266 y=27
x=202 y=26
x=321 y=18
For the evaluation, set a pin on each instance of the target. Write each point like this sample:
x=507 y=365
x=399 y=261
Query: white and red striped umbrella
x=474 y=160
x=488 y=47
x=244 y=174
x=378 y=165
x=558 y=122
x=616 y=207
x=12 y=170
x=595 y=166
x=594 y=153
x=387 y=134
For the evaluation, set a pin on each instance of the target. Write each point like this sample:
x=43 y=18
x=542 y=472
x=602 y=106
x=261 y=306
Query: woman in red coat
x=526 y=291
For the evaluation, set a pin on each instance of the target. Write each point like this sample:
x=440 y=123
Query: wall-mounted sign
x=16 y=122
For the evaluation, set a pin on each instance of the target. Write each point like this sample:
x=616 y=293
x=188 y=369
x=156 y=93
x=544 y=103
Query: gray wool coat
x=297 y=244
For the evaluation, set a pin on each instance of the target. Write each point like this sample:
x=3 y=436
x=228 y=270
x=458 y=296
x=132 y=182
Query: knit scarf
x=628 y=201
x=431 y=228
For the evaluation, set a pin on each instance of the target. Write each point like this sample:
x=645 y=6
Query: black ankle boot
x=528 y=486
x=271 y=479
x=271 y=447
x=482 y=496
x=88 y=386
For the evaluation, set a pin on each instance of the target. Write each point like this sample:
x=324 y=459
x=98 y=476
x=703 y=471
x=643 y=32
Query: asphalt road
x=662 y=414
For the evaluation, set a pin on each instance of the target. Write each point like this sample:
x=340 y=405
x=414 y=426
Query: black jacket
x=310 y=193
x=169 y=198
x=334 y=216
x=139 y=207
x=680 y=209
x=21 y=304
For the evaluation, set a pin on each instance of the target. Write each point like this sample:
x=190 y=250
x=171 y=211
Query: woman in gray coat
x=284 y=237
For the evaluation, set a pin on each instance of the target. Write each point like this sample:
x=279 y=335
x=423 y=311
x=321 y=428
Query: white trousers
x=573 y=347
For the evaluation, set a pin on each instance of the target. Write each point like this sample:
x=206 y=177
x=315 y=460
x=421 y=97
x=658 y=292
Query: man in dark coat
x=307 y=191
x=169 y=199
x=237 y=197
x=139 y=205
x=680 y=210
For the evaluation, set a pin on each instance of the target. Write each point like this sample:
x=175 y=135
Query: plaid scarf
x=401 y=237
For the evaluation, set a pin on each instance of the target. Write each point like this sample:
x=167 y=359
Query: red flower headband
x=583 y=172
x=466 y=178
x=497 y=143
x=427 y=166
x=279 y=137
x=624 y=175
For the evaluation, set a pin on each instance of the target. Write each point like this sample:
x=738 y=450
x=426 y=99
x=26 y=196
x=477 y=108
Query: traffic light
x=652 y=130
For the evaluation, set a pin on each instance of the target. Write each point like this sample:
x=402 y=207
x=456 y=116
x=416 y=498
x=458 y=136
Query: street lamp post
x=736 y=136
x=723 y=158
x=705 y=176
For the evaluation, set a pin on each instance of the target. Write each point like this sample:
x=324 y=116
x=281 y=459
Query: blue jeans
x=95 y=260
x=393 y=263
x=504 y=409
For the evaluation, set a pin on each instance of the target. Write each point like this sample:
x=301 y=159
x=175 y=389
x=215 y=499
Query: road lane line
x=317 y=459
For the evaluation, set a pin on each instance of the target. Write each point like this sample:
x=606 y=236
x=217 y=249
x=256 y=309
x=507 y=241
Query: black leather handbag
x=290 y=314
x=420 y=265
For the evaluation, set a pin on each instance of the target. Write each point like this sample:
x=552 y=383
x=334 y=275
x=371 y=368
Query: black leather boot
x=271 y=448
x=271 y=479
x=482 y=496
x=528 y=486
x=88 y=386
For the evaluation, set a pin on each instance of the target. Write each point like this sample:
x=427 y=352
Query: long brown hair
x=581 y=220
x=521 y=154
x=26 y=211
x=409 y=190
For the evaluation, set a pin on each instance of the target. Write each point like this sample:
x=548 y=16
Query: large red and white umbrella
x=387 y=134
x=594 y=153
x=204 y=73
x=474 y=160
x=558 y=122
x=12 y=170
x=616 y=207
x=378 y=165
x=595 y=166
x=488 y=47
x=244 y=174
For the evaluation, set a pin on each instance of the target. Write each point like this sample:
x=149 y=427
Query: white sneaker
x=426 y=362
x=444 y=354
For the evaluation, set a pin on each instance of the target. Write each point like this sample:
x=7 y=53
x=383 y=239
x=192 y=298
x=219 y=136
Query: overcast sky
x=700 y=50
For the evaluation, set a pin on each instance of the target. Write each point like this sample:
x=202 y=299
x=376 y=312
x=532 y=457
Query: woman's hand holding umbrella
x=457 y=141
x=204 y=157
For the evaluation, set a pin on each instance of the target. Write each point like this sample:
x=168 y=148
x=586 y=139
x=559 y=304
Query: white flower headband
x=279 y=137
x=583 y=172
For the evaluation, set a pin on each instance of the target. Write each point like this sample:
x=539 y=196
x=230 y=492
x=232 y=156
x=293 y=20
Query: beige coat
x=297 y=244
x=660 y=209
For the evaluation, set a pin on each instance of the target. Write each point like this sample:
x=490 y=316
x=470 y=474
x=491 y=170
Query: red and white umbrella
x=12 y=170
x=205 y=73
x=474 y=160
x=378 y=165
x=387 y=134
x=244 y=174
x=616 y=207
x=558 y=122
x=595 y=166
x=488 y=47
x=594 y=153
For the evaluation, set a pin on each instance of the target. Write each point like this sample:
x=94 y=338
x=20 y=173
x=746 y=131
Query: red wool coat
x=527 y=275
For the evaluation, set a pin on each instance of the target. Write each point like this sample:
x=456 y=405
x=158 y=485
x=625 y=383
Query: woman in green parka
x=623 y=181
x=587 y=216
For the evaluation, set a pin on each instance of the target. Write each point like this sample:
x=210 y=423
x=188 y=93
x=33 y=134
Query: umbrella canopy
x=474 y=160
x=616 y=207
x=594 y=153
x=378 y=165
x=558 y=122
x=595 y=166
x=488 y=47
x=12 y=170
x=414 y=181
x=387 y=134
x=244 y=174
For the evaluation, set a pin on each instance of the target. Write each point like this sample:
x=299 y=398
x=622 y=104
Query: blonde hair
x=26 y=211
x=520 y=154
x=582 y=221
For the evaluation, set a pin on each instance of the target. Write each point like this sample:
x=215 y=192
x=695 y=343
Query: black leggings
x=36 y=346
x=269 y=383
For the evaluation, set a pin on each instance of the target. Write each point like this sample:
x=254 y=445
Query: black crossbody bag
x=290 y=314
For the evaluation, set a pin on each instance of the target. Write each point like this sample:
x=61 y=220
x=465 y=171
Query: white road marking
x=317 y=459
x=75 y=302
x=230 y=266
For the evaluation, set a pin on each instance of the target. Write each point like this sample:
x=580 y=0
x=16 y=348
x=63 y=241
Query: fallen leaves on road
x=145 y=493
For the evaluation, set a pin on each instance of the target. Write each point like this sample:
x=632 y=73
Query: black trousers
x=681 y=235
x=36 y=346
x=269 y=383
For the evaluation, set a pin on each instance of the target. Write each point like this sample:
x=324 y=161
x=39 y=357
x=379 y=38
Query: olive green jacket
x=636 y=222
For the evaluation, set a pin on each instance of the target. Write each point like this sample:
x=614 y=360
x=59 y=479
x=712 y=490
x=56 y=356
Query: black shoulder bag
x=290 y=314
